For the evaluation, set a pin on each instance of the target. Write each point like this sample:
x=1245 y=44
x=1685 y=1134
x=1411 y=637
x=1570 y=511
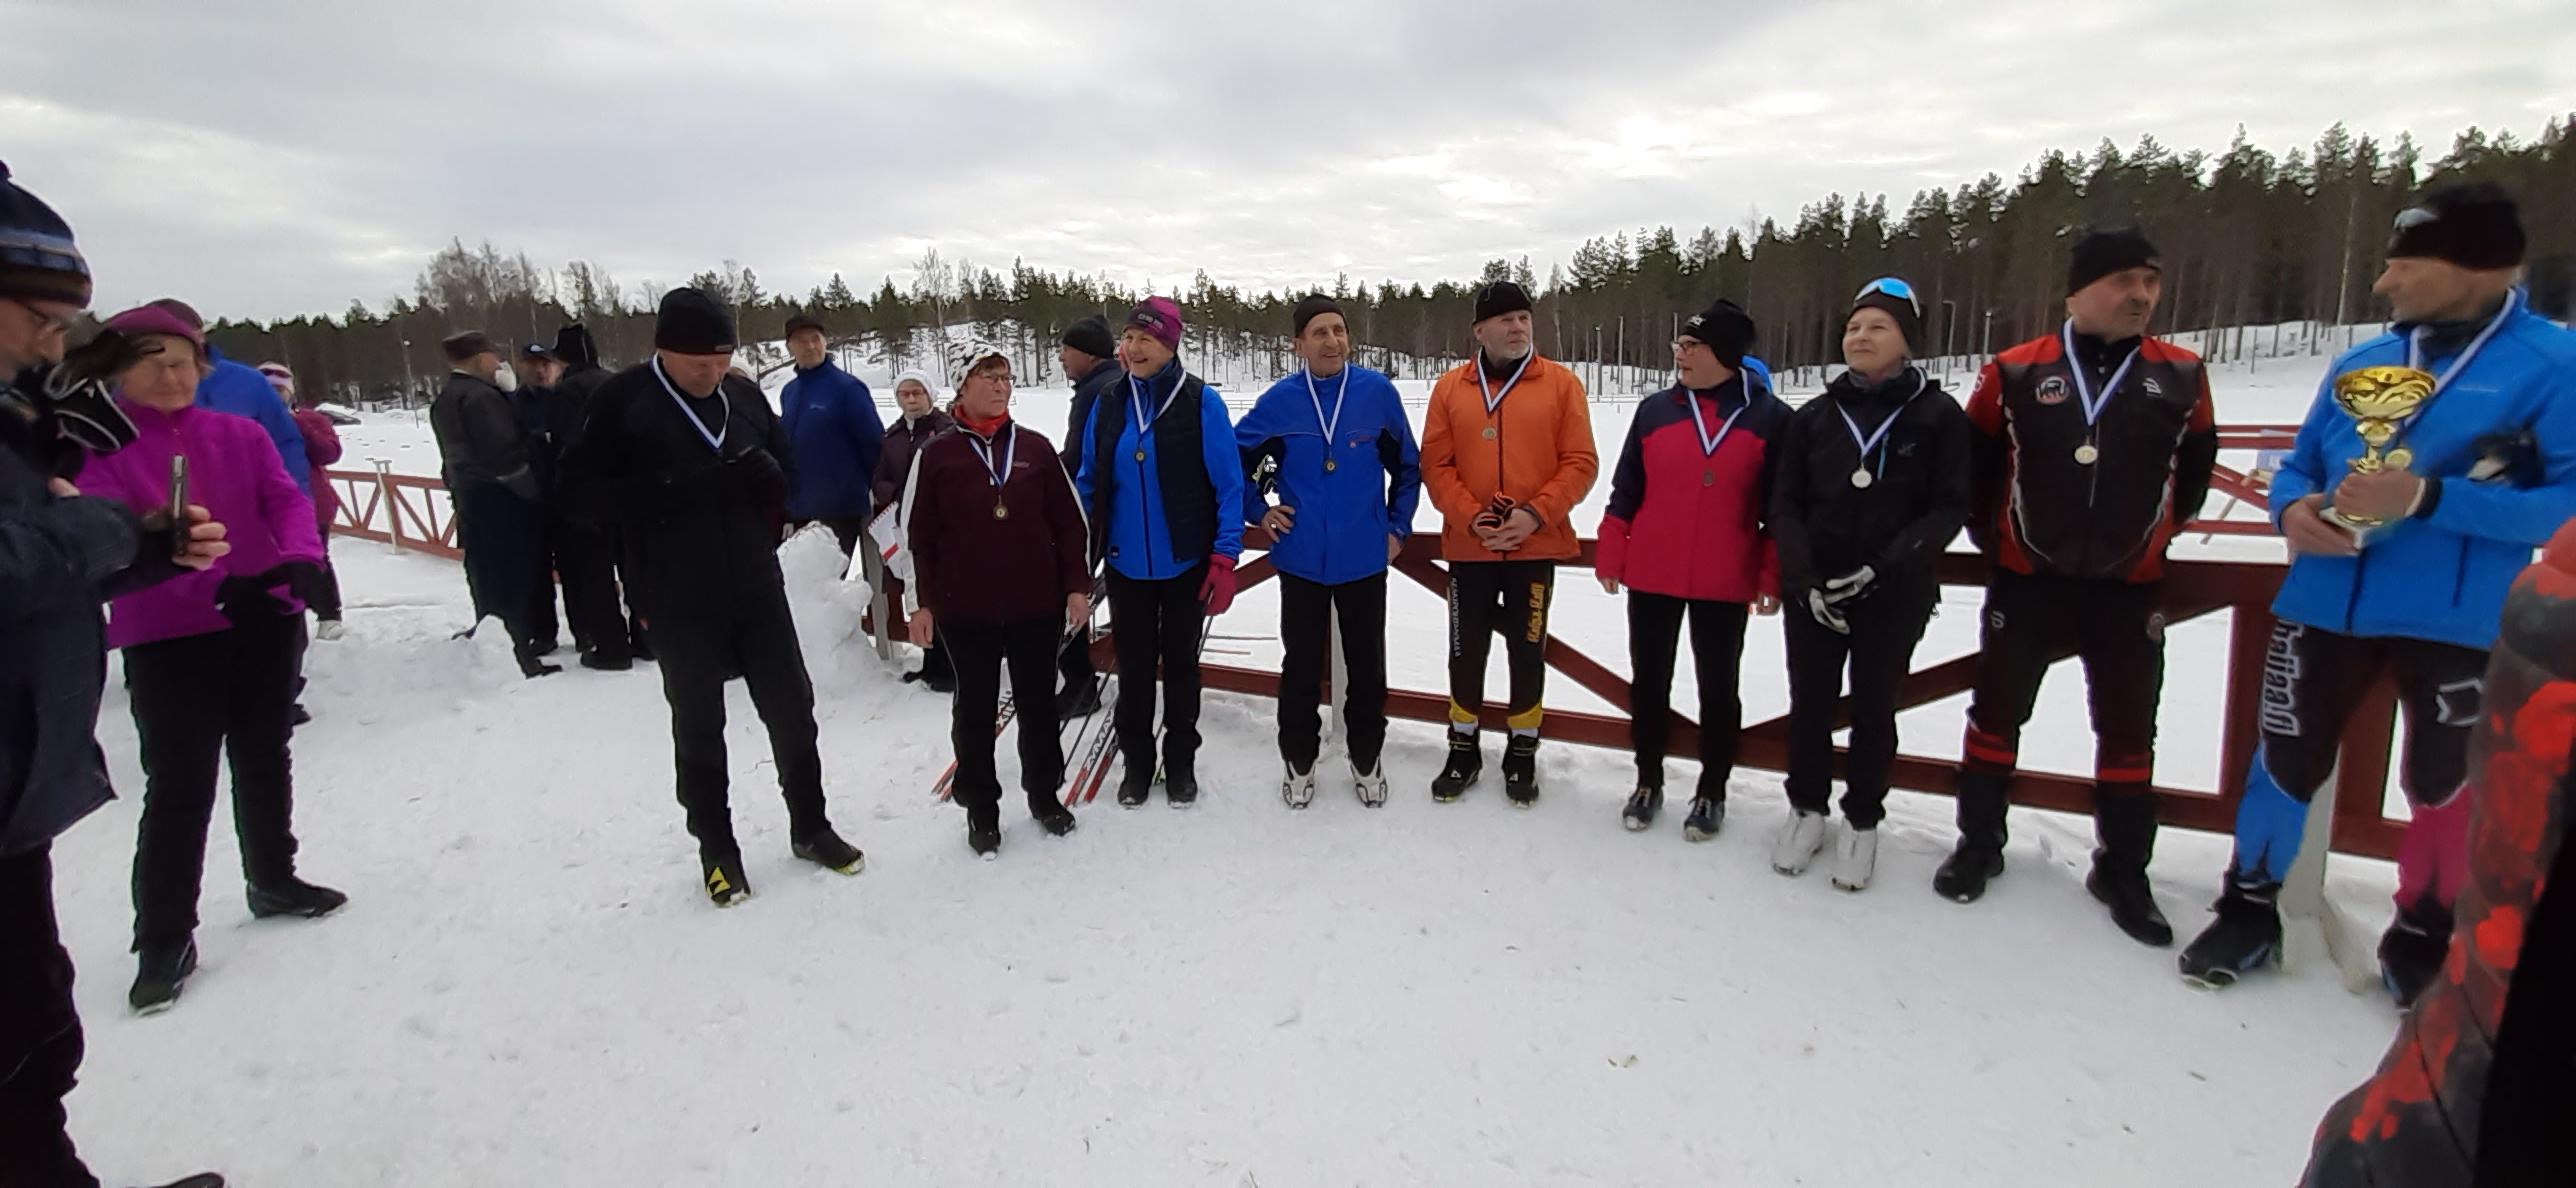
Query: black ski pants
x=1511 y=595
x=1717 y=653
x=1306 y=614
x=40 y=1030
x=1878 y=653
x=1158 y=623
x=981 y=653
x=757 y=642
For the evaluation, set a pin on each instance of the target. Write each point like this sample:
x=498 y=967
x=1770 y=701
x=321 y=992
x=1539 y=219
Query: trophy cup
x=2378 y=399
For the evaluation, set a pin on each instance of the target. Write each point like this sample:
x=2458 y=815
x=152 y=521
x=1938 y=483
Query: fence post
x=385 y=500
x=2315 y=930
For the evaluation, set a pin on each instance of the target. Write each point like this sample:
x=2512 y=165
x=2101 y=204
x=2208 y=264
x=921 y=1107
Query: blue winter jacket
x=230 y=387
x=1136 y=532
x=2442 y=574
x=836 y=434
x=1344 y=515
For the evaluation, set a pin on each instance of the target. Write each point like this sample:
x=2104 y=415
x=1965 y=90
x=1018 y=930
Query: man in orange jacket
x=1506 y=454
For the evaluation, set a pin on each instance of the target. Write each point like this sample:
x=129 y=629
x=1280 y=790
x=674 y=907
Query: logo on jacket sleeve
x=2052 y=391
x=2155 y=387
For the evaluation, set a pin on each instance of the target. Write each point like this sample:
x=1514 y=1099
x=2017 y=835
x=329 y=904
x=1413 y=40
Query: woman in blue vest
x=1165 y=488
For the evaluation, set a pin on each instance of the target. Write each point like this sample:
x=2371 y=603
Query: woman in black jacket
x=1872 y=484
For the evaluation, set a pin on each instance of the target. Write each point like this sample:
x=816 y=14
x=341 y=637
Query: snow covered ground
x=529 y=989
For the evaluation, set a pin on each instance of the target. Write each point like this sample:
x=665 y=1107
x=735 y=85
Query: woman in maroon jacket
x=1001 y=567
x=1685 y=535
x=321 y=450
x=919 y=421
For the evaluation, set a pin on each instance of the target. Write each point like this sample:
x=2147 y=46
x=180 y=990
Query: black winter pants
x=1306 y=613
x=586 y=558
x=40 y=1032
x=1512 y=595
x=1158 y=623
x=2313 y=679
x=1878 y=652
x=980 y=654
x=198 y=701
x=1717 y=652
x=698 y=655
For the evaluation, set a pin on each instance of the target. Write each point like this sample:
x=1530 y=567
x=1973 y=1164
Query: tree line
x=2249 y=237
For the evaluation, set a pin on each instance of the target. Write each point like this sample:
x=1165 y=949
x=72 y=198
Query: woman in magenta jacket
x=211 y=657
x=1685 y=536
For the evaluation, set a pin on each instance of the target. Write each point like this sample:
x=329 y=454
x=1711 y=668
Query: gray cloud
x=269 y=158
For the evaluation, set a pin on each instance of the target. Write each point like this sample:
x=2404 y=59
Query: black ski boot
x=2132 y=903
x=984 y=832
x=1520 y=770
x=1135 y=784
x=598 y=660
x=1707 y=816
x=724 y=883
x=826 y=848
x=1051 y=816
x=1979 y=857
x=2412 y=950
x=160 y=975
x=1466 y=763
x=292 y=896
x=1643 y=804
x=2125 y=822
x=2245 y=937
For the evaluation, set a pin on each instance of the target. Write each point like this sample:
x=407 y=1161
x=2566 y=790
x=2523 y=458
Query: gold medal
x=1331 y=466
x=1140 y=455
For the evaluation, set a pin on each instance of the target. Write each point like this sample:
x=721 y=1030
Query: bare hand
x=1394 y=548
x=1077 y=609
x=1609 y=584
x=62 y=488
x=2309 y=533
x=1517 y=528
x=2379 y=494
x=1279 y=520
x=1766 y=605
x=206 y=543
x=921 y=628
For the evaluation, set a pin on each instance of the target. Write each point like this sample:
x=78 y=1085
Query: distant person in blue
x=241 y=390
x=835 y=434
x=1347 y=475
x=2487 y=474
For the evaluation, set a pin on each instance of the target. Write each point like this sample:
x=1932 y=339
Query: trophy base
x=2362 y=532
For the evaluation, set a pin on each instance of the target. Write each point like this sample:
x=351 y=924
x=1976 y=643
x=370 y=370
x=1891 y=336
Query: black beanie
x=1091 y=337
x=805 y=322
x=1725 y=328
x=38 y=261
x=1908 y=322
x=692 y=323
x=460 y=348
x=1499 y=298
x=2102 y=251
x=1314 y=306
x=575 y=347
x=2475 y=226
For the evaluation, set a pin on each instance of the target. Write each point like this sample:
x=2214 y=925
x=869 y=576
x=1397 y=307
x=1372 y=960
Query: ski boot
x=1707 y=816
x=826 y=849
x=724 y=882
x=160 y=975
x=1371 y=785
x=1297 y=788
x=292 y=896
x=1856 y=859
x=2245 y=937
x=2412 y=950
x=1466 y=763
x=2132 y=903
x=1802 y=837
x=1643 y=804
x=1520 y=770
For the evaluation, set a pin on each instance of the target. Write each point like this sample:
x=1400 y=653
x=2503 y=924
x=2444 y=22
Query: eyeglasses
x=2415 y=216
x=1683 y=345
x=1893 y=287
x=47 y=323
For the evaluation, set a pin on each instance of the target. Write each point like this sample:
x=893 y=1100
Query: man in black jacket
x=61 y=556
x=483 y=451
x=1090 y=359
x=689 y=464
x=608 y=637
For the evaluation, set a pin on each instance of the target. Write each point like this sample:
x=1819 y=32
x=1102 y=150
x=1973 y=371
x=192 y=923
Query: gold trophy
x=2378 y=399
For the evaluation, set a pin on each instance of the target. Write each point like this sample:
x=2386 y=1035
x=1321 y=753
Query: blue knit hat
x=37 y=259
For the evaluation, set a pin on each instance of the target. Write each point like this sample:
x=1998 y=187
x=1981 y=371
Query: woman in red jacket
x=1685 y=536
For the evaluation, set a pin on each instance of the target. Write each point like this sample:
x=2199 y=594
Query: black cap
x=2475 y=226
x=1724 y=327
x=692 y=323
x=535 y=350
x=461 y=347
x=1091 y=337
x=38 y=261
x=1314 y=306
x=2102 y=251
x=1499 y=298
x=806 y=322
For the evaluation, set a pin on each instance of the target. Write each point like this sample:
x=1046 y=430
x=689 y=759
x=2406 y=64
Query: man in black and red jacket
x=2094 y=447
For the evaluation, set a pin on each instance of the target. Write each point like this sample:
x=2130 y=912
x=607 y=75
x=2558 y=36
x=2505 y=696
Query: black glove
x=303 y=579
x=247 y=599
x=760 y=474
x=77 y=392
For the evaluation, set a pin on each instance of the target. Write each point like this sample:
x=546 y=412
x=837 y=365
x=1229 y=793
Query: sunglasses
x=1893 y=287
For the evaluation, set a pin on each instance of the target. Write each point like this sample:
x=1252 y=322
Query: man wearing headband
x=2489 y=473
x=2094 y=446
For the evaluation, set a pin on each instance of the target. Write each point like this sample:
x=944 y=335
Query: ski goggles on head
x=2413 y=217
x=1893 y=287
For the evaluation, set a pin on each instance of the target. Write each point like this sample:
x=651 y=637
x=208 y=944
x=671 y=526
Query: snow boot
x=292 y=896
x=724 y=883
x=599 y=661
x=1466 y=763
x=2411 y=951
x=1371 y=784
x=2132 y=903
x=1520 y=770
x=1180 y=785
x=1297 y=788
x=1979 y=858
x=2125 y=822
x=984 y=832
x=826 y=849
x=1802 y=837
x=1051 y=816
x=1135 y=784
x=160 y=975
x=1643 y=804
x=1856 y=859
x=1707 y=816
x=2245 y=937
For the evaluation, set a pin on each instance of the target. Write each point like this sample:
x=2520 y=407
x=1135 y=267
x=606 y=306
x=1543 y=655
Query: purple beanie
x=152 y=319
x=1160 y=317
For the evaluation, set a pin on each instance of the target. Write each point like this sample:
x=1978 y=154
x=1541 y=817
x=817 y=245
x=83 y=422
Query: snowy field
x=529 y=989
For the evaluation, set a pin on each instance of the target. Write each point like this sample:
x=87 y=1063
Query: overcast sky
x=268 y=157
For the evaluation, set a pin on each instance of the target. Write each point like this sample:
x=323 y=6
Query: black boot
x=723 y=880
x=2132 y=903
x=638 y=646
x=160 y=976
x=532 y=664
x=984 y=832
x=2245 y=937
x=1520 y=770
x=2412 y=950
x=602 y=660
x=1980 y=856
x=1643 y=804
x=1707 y=816
x=1180 y=782
x=1135 y=784
x=1466 y=763
x=292 y=896
x=1051 y=815
x=2125 y=822
x=827 y=849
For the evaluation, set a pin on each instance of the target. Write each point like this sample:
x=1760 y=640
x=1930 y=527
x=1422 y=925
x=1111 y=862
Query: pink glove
x=1217 y=592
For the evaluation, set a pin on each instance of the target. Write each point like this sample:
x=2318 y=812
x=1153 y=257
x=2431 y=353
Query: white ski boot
x=1801 y=838
x=1855 y=859
x=1298 y=788
x=1372 y=785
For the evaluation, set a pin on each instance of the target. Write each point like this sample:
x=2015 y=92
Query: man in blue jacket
x=241 y=390
x=835 y=433
x=1347 y=475
x=2488 y=472
x=1164 y=484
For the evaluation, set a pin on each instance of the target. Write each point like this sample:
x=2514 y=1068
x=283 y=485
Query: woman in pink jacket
x=211 y=657
x=1684 y=534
